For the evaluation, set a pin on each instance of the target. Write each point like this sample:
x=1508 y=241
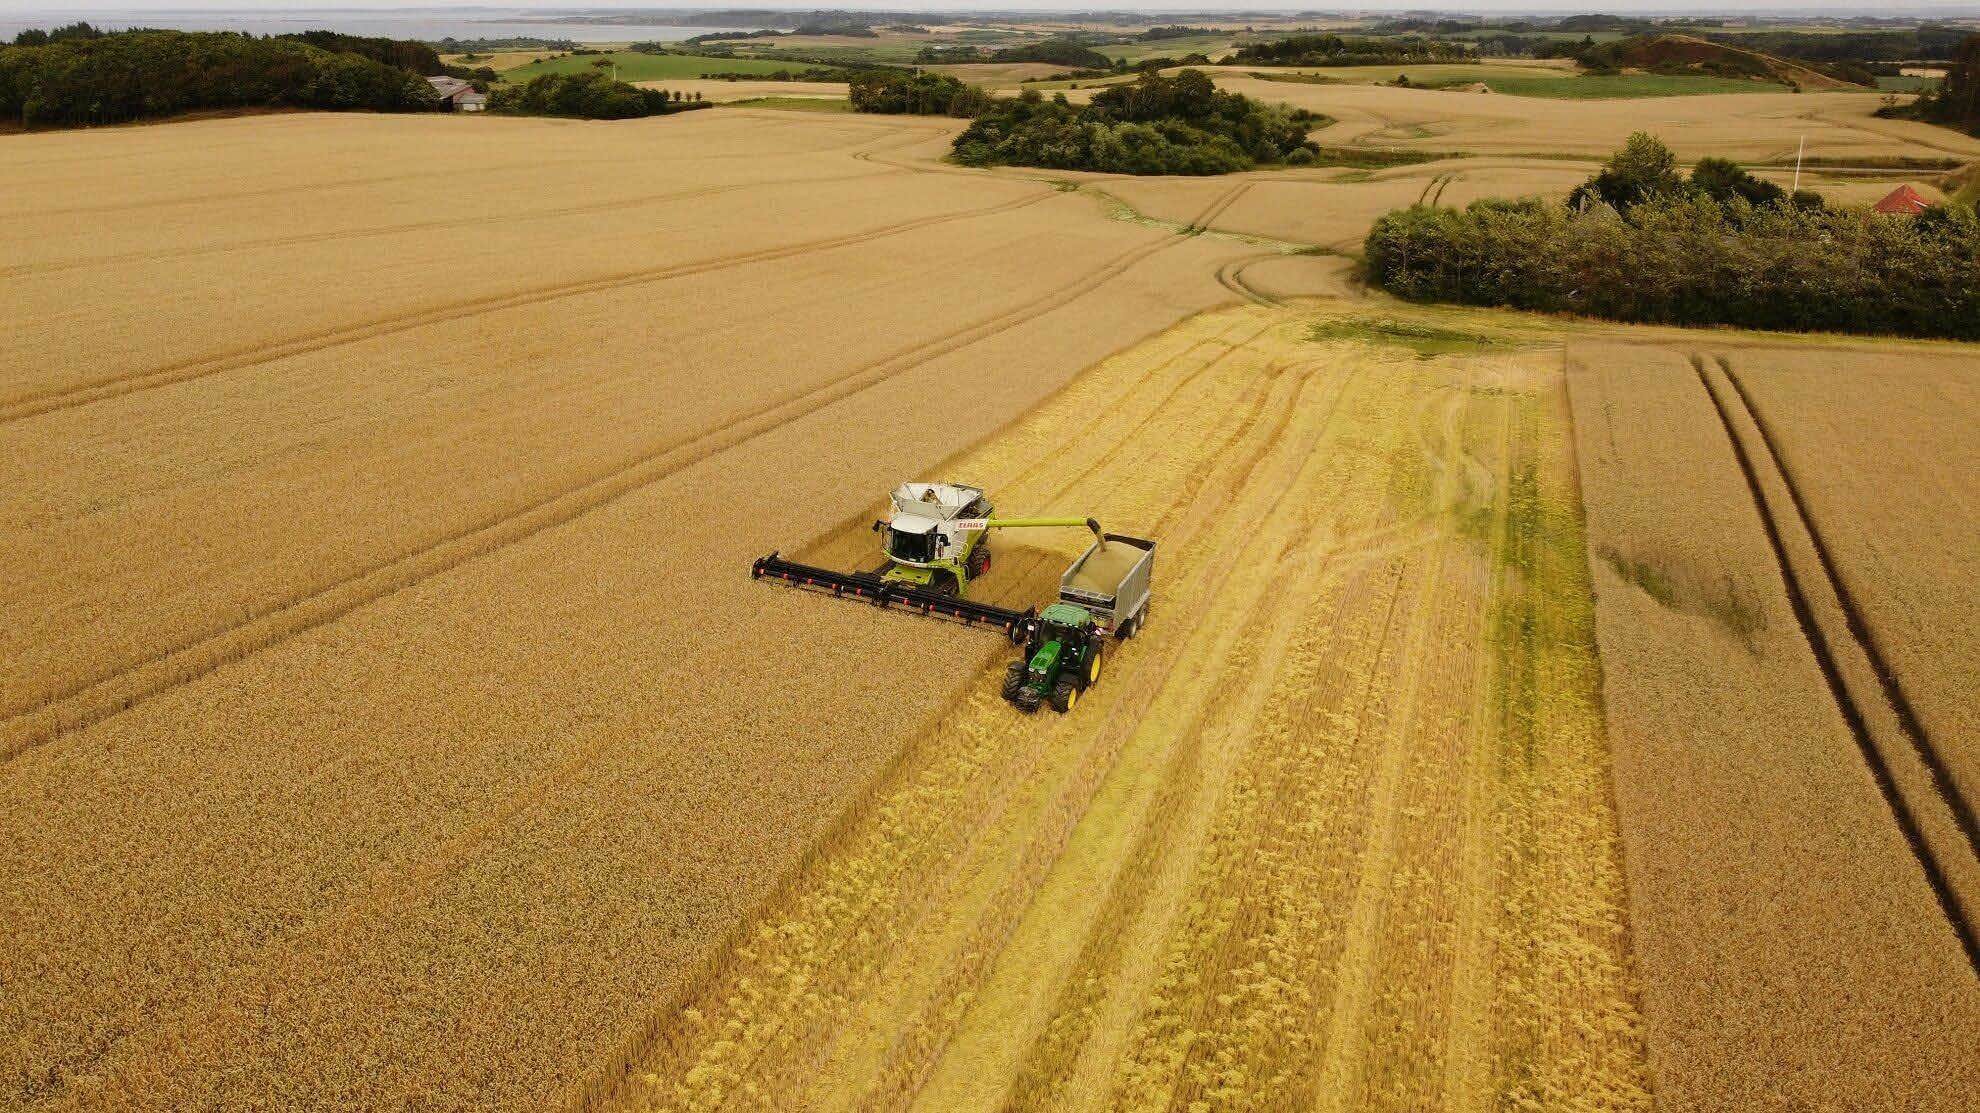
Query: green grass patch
x=1376 y=158
x=1423 y=339
x=634 y=66
x=794 y=104
x=1433 y=74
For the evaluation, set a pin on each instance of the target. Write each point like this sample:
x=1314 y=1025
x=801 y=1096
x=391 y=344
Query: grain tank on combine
x=935 y=541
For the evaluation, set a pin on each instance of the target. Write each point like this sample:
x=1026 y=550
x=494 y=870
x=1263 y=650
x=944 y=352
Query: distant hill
x=1681 y=54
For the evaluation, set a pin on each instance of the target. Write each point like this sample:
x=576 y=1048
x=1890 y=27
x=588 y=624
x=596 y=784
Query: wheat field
x=406 y=604
x=1532 y=714
x=1798 y=881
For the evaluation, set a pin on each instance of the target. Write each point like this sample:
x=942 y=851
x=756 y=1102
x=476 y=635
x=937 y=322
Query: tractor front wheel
x=1013 y=680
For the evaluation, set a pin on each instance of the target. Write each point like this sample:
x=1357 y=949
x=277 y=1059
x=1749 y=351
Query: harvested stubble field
x=387 y=717
x=1335 y=830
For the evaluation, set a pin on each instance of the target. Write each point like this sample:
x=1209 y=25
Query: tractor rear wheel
x=1064 y=695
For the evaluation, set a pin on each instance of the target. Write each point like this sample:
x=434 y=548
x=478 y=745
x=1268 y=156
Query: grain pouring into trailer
x=936 y=542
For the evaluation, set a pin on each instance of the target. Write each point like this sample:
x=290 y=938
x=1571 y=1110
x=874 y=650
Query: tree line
x=1954 y=102
x=1338 y=50
x=109 y=78
x=899 y=93
x=1643 y=242
x=1155 y=125
x=589 y=96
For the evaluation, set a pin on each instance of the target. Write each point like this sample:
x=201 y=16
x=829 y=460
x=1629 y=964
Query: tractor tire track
x=1860 y=630
x=1231 y=277
x=64 y=398
x=1728 y=403
x=349 y=183
x=419 y=226
x=1216 y=209
x=101 y=697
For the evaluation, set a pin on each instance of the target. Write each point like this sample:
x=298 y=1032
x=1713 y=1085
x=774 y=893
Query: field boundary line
x=194 y=657
x=63 y=398
x=1826 y=664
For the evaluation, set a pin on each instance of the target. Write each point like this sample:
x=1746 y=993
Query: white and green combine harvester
x=936 y=540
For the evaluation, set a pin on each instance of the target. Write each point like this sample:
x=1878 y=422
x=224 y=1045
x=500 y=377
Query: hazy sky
x=1962 y=8
x=1968 y=7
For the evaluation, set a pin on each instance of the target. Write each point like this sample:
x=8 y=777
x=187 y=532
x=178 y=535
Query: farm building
x=1903 y=201
x=457 y=95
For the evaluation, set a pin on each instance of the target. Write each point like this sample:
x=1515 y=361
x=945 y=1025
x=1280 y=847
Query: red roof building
x=1903 y=201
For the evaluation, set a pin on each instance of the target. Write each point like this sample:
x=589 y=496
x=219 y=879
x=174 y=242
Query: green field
x=1212 y=45
x=634 y=66
x=1428 y=73
x=795 y=104
x=1622 y=86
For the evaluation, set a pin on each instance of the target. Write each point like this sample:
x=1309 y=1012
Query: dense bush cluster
x=406 y=54
x=111 y=78
x=898 y=92
x=1057 y=52
x=1955 y=102
x=1336 y=50
x=1691 y=252
x=1157 y=125
x=587 y=96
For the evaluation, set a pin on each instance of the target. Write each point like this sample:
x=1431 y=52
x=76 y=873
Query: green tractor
x=1061 y=659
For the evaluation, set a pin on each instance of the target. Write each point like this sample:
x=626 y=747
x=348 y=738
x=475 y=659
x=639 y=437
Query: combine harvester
x=937 y=545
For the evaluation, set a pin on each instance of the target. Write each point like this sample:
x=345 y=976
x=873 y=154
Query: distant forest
x=77 y=76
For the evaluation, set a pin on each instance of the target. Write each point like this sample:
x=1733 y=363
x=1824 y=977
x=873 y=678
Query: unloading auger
x=935 y=541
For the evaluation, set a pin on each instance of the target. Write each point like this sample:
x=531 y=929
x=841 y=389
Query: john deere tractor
x=1061 y=659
